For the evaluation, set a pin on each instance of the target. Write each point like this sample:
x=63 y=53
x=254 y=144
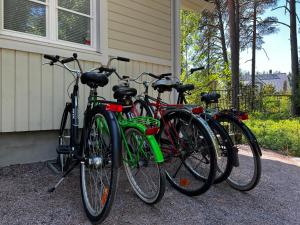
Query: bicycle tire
x=225 y=153
x=141 y=108
x=245 y=151
x=147 y=162
x=110 y=160
x=190 y=176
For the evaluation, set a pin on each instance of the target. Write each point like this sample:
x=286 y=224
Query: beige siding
x=140 y=26
x=32 y=96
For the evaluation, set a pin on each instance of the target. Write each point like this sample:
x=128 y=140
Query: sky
x=276 y=45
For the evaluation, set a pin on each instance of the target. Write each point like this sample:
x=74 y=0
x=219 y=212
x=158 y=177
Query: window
x=65 y=21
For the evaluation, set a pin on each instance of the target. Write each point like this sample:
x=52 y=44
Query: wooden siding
x=140 y=26
x=32 y=96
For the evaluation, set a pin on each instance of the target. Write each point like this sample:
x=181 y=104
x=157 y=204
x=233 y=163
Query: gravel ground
x=276 y=200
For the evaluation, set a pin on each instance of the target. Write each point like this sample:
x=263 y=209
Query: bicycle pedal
x=64 y=149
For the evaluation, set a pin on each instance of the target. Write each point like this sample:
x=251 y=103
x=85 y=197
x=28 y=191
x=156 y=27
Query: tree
x=259 y=29
x=233 y=13
x=295 y=60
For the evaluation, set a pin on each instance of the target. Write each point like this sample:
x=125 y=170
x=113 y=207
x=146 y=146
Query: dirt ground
x=276 y=200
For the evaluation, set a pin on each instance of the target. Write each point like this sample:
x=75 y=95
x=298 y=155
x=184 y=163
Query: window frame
x=51 y=37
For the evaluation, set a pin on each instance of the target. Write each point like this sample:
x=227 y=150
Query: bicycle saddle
x=121 y=92
x=94 y=80
x=209 y=98
x=181 y=88
x=164 y=85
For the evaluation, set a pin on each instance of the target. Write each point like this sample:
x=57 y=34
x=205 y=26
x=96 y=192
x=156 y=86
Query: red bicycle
x=186 y=143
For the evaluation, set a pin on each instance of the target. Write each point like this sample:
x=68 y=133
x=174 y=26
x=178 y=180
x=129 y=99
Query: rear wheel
x=145 y=175
x=189 y=153
x=246 y=175
x=99 y=172
x=225 y=153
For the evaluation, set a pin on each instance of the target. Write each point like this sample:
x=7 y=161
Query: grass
x=277 y=132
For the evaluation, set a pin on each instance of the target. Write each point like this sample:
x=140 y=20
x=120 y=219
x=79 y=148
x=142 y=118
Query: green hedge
x=276 y=133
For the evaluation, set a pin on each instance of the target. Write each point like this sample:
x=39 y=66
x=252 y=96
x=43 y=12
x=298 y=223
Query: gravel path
x=276 y=200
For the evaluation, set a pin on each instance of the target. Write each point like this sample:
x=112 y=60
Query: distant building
x=279 y=81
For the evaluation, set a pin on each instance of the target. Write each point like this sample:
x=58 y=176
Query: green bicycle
x=141 y=154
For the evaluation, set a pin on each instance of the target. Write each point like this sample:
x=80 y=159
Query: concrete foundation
x=27 y=147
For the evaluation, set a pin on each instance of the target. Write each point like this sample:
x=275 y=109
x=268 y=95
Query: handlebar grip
x=197 y=69
x=108 y=70
x=165 y=75
x=152 y=75
x=67 y=60
x=123 y=59
x=53 y=58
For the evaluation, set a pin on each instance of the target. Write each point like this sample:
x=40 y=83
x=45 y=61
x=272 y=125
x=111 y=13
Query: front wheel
x=145 y=175
x=100 y=168
x=246 y=175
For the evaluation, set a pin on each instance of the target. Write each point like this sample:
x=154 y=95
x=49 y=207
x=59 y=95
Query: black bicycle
x=98 y=151
x=241 y=148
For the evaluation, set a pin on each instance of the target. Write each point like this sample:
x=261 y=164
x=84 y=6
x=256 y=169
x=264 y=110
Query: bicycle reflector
x=114 y=108
x=152 y=130
x=198 y=110
x=243 y=116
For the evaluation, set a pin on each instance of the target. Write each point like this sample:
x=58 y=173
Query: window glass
x=74 y=28
x=25 y=16
x=81 y=6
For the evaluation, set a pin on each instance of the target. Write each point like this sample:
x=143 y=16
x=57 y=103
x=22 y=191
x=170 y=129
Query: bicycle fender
x=155 y=148
x=253 y=139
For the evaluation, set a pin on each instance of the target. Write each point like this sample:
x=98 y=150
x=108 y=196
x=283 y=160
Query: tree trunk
x=295 y=62
x=222 y=32
x=253 y=56
x=234 y=45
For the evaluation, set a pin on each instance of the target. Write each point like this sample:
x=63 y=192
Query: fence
x=266 y=103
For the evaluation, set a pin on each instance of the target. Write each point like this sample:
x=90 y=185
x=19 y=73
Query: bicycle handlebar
x=193 y=70
x=52 y=58
x=123 y=59
x=159 y=77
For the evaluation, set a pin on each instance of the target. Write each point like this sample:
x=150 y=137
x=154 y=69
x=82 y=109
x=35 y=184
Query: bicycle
x=105 y=130
x=142 y=156
x=242 y=141
x=187 y=145
x=97 y=150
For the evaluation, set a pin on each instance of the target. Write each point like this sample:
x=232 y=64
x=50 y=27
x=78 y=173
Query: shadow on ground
x=276 y=200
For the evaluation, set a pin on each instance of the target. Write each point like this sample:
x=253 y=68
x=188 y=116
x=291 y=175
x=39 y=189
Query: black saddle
x=209 y=98
x=181 y=88
x=121 y=92
x=164 y=85
x=94 y=80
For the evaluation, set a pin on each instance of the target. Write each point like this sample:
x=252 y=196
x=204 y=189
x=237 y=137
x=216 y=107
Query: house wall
x=33 y=96
x=140 y=26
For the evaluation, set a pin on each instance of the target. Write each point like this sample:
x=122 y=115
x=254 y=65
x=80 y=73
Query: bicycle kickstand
x=64 y=176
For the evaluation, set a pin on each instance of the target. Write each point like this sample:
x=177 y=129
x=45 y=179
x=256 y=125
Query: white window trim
x=44 y=45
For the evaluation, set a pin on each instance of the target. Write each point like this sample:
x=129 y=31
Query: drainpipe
x=176 y=38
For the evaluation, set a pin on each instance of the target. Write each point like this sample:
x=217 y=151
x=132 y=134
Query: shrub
x=276 y=133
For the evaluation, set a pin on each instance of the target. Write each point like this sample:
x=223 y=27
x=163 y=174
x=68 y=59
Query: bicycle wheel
x=140 y=108
x=99 y=173
x=189 y=153
x=225 y=153
x=64 y=160
x=145 y=175
x=247 y=174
